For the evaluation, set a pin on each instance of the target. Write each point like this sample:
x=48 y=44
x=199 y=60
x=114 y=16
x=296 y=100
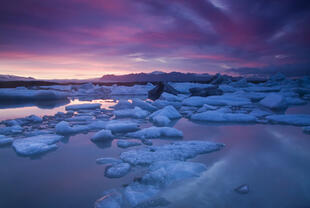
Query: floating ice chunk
x=156 y=132
x=274 y=101
x=294 y=101
x=117 y=170
x=122 y=126
x=125 y=144
x=123 y=104
x=37 y=132
x=16 y=129
x=164 y=173
x=102 y=135
x=80 y=118
x=216 y=116
x=262 y=89
x=163 y=103
x=11 y=122
x=108 y=160
x=131 y=113
x=33 y=119
x=306 y=129
x=185 y=86
x=278 y=77
x=37 y=144
x=24 y=94
x=137 y=193
x=110 y=199
x=161 y=120
x=174 y=151
x=5 y=140
x=169 y=111
x=222 y=100
x=143 y=105
x=170 y=97
x=133 y=90
x=290 y=119
x=87 y=106
x=260 y=113
x=227 y=88
x=206 y=107
x=64 y=128
x=240 y=83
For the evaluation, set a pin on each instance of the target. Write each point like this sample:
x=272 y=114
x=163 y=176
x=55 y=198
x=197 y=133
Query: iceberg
x=35 y=145
x=169 y=111
x=123 y=104
x=216 y=116
x=306 y=129
x=24 y=94
x=143 y=105
x=170 y=97
x=226 y=99
x=5 y=140
x=182 y=150
x=117 y=170
x=33 y=119
x=125 y=144
x=122 y=126
x=9 y=130
x=131 y=113
x=64 y=128
x=161 y=120
x=108 y=160
x=156 y=132
x=274 y=101
x=87 y=106
x=163 y=173
x=102 y=135
x=290 y=119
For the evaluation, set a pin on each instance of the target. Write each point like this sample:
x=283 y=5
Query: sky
x=80 y=39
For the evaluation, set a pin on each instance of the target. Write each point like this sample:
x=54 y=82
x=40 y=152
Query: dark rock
x=155 y=93
x=204 y=92
x=243 y=189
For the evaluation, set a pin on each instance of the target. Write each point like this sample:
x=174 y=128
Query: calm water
x=273 y=160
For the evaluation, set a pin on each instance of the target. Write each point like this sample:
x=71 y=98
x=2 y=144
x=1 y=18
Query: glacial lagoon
x=270 y=158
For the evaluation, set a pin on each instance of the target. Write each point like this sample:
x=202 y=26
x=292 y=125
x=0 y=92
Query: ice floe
x=156 y=132
x=5 y=140
x=36 y=145
x=87 y=106
x=117 y=170
x=226 y=99
x=290 y=119
x=108 y=160
x=125 y=143
x=306 y=129
x=24 y=94
x=123 y=104
x=161 y=120
x=274 y=101
x=143 y=105
x=182 y=150
x=166 y=167
x=169 y=111
x=163 y=173
x=122 y=126
x=102 y=135
x=216 y=116
x=131 y=113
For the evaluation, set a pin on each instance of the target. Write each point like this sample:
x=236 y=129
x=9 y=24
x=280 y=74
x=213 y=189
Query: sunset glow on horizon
x=79 y=39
